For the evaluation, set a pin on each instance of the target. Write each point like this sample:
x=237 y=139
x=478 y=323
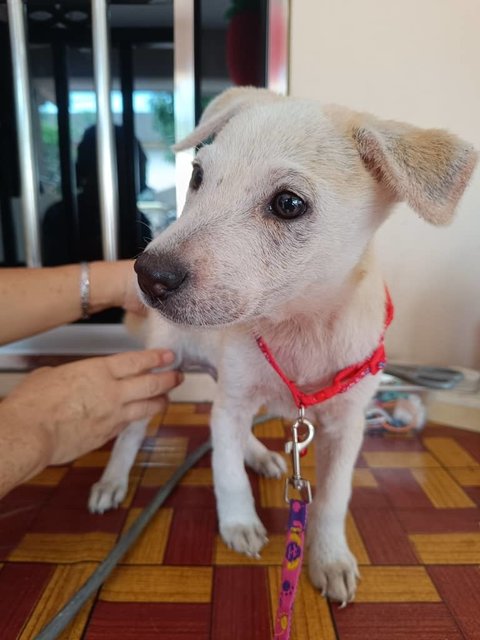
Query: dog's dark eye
x=287 y=205
x=197 y=177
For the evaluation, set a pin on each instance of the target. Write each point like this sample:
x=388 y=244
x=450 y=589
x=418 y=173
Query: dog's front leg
x=112 y=487
x=332 y=566
x=240 y=527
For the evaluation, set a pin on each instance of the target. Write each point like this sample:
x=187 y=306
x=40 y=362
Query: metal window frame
x=183 y=90
x=106 y=149
x=27 y=159
x=278 y=45
x=185 y=108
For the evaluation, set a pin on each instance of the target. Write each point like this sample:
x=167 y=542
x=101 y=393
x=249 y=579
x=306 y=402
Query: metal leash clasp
x=295 y=446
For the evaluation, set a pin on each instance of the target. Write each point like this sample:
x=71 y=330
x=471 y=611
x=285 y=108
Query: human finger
x=149 y=385
x=132 y=363
x=144 y=408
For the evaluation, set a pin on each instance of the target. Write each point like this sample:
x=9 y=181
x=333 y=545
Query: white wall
x=417 y=61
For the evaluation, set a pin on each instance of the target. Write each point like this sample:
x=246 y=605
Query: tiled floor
x=413 y=525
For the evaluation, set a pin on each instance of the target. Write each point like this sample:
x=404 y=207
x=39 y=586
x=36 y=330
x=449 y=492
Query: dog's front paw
x=267 y=463
x=336 y=577
x=248 y=538
x=107 y=494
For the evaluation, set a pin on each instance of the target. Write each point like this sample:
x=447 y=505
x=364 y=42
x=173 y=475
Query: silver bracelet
x=85 y=290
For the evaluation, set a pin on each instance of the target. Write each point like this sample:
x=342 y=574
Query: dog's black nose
x=157 y=275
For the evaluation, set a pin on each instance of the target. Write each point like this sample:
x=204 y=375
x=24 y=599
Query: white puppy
x=276 y=240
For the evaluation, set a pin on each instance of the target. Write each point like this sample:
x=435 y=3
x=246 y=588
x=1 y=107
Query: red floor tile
x=401 y=488
x=74 y=489
x=182 y=497
x=246 y=616
x=396 y=622
x=385 y=540
x=361 y=463
x=18 y=510
x=206 y=461
x=438 y=520
x=149 y=621
x=192 y=537
x=368 y=498
x=274 y=520
x=276 y=444
x=473 y=493
x=14 y=524
x=389 y=443
x=25 y=497
x=459 y=588
x=469 y=441
x=20 y=588
x=203 y=407
x=64 y=520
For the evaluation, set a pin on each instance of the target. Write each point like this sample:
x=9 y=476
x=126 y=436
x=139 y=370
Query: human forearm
x=25 y=450
x=35 y=300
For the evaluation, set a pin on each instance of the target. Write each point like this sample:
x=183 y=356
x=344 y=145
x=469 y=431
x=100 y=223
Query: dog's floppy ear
x=222 y=109
x=427 y=168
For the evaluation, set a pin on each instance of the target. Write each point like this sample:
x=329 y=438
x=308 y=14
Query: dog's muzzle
x=159 y=276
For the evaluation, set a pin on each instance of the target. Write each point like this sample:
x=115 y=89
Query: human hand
x=114 y=284
x=77 y=407
x=131 y=299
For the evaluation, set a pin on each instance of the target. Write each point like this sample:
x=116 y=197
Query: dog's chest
x=308 y=359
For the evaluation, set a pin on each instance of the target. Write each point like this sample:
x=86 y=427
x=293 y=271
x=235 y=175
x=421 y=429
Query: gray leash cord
x=63 y=618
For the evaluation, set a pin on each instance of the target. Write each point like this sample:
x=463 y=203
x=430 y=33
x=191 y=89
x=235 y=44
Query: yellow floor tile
x=198 y=477
x=311 y=616
x=49 y=477
x=467 y=477
x=63 y=547
x=449 y=452
x=447 y=548
x=399 y=459
x=270 y=429
x=364 y=478
x=272 y=492
x=156 y=476
x=143 y=455
x=153 y=425
x=158 y=584
x=65 y=581
x=181 y=407
x=133 y=482
x=307 y=470
x=93 y=459
x=150 y=547
x=396 y=584
x=306 y=461
x=441 y=489
x=190 y=420
x=355 y=541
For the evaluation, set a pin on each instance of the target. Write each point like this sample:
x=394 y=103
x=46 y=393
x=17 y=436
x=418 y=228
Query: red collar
x=345 y=378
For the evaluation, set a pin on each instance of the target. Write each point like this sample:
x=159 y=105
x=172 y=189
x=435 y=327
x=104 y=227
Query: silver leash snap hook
x=295 y=448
